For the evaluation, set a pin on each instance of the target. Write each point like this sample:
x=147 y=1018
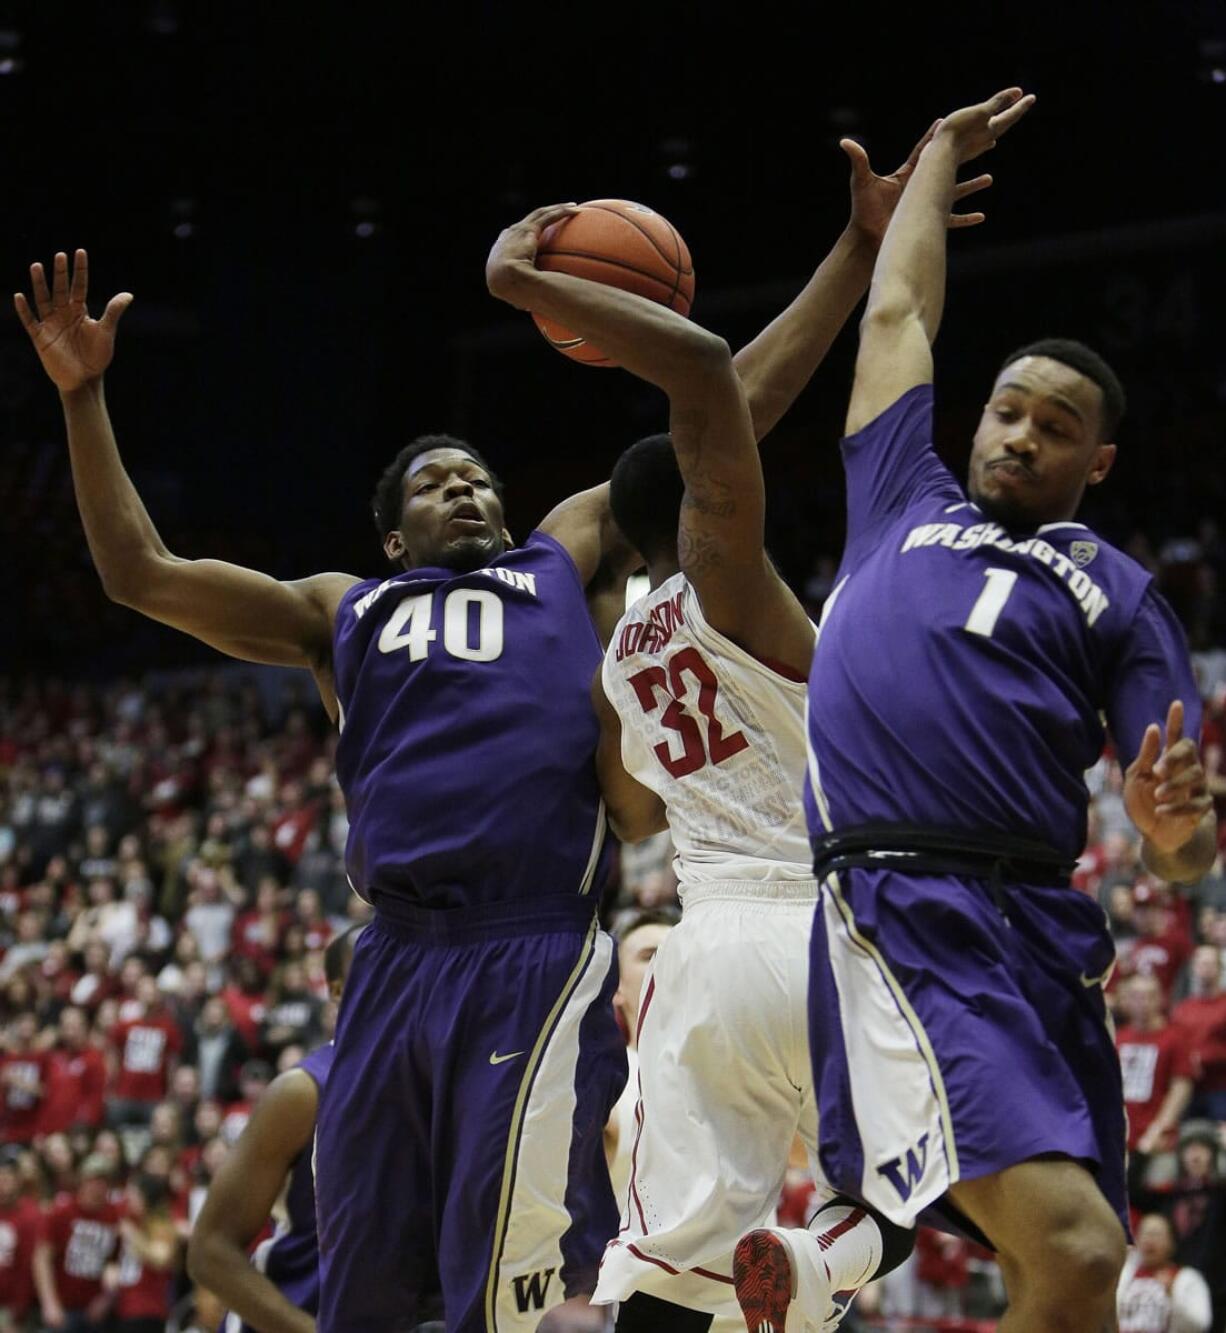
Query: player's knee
x=1081 y=1260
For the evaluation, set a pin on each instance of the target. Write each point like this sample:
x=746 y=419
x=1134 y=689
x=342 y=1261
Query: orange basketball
x=623 y=245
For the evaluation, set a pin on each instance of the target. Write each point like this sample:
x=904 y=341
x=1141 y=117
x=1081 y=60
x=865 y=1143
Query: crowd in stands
x=171 y=869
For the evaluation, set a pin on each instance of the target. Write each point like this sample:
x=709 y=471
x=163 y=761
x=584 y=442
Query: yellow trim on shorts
x=913 y=1022
x=517 y=1118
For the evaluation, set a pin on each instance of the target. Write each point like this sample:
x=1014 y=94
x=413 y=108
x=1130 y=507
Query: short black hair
x=645 y=494
x=339 y=953
x=647 y=916
x=1086 y=361
x=388 y=500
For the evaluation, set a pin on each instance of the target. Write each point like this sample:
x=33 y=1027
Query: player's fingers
x=542 y=217
x=1186 y=779
x=1001 y=101
x=80 y=277
x=1004 y=122
x=1151 y=747
x=1174 y=723
x=1194 y=810
x=59 y=279
x=964 y=188
x=42 y=296
x=959 y=220
x=115 y=308
x=860 y=167
x=24 y=313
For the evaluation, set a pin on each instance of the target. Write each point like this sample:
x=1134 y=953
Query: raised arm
x=720 y=542
x=241 y=1198
x=907 y=295
x=238 y=611
x=781 y=360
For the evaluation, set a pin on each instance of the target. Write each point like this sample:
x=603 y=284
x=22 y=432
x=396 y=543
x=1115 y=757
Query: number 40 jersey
x=717 y=735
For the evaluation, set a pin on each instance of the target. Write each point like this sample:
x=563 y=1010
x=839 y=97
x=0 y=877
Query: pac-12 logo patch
x=1083 y=553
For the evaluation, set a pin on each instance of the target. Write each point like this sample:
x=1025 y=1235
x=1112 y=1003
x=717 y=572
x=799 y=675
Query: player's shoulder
x=318 y=1064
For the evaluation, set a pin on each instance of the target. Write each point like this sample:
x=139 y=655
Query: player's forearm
x=1189 y=863
x=781 y=360
x=118 y=528
x=909 y=277
x=217 y=1263
x=647 y=339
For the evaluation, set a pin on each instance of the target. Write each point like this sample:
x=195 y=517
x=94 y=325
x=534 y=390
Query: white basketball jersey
x=717 y=735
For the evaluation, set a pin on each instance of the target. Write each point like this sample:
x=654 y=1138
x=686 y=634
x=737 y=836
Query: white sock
x=849 y=1241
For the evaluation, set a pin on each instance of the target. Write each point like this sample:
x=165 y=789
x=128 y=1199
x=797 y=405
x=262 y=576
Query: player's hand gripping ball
x=622 y=245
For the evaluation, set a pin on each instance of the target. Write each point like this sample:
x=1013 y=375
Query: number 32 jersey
x=962 y=672
x=468 y=741
x=716 y=734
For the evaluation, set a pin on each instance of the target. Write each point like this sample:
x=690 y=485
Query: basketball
x=621 y=244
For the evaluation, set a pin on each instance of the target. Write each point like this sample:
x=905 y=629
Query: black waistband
x=924 y=850
x=504 y=919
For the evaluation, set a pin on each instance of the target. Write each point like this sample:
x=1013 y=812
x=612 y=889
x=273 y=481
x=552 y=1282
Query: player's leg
x=372 y=1148
x=720 y=1093
x=844 y=1246
x=1060 y=1244
x=529 y=1068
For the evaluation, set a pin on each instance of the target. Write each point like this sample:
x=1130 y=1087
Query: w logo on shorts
x=531 y=1290
x=916 y=1165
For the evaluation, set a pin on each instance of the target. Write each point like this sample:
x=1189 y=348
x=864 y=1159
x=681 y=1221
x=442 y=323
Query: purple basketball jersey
x=962 y=672
x=467 y=731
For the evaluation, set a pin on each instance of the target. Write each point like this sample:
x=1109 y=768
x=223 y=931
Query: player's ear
x=1104 y=458
x=393 y=547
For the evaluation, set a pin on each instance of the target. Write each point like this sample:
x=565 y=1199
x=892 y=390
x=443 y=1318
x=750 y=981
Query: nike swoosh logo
x=496 y=1059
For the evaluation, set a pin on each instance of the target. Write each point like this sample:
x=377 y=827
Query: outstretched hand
x=874 y=198
x=516 y=247
x=73 y=348
x=1165 y=789
x=974 y=129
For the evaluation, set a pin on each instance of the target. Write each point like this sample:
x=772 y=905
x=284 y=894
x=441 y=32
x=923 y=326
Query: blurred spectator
x=1157 y=1295
x=217 y=1050
x=81 y=1232
x=21 y=1227
x=1195 y=1205
x=295 y=1013
x=1157 y=1068
x=1162 y=944
x=141 y=1281
x=147 y=1048
x=1201 y=1018
x=24 y=1076
x=76 y=1095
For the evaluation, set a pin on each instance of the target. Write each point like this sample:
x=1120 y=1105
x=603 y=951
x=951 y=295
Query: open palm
x=72 y=347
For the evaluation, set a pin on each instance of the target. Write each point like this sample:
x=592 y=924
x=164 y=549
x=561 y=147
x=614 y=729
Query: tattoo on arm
x=698 y=553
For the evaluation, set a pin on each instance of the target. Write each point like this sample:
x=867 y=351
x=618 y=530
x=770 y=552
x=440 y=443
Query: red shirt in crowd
x=246 y=1013
x=256 y=936
x=82 y=1242
x=1203 y=1024
x=21 y=1228
x=76 y=1090
x=143 y=1292
x=23 y=1085
x=1150 y=1061
x=317 y=935
x=146 y=1047
x=1161 y=956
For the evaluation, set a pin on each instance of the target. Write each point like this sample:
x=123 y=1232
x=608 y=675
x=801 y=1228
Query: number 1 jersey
x=962 y=672
x=716 y=734
x=467 y=745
